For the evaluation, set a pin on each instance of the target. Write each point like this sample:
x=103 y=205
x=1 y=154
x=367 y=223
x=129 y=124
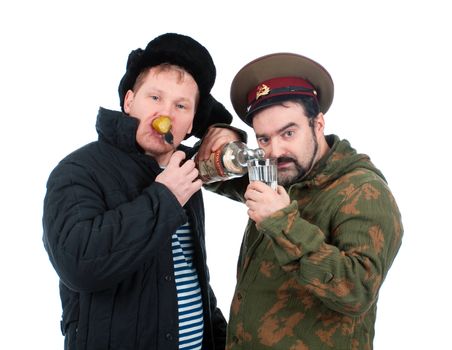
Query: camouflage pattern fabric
x=308 y=278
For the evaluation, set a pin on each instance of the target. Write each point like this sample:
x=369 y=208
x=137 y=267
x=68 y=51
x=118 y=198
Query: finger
x=197 y=184
x=260 y=186
x=256 y=187
x=251 y=186
x=210 y=131
x=188 y=166
x=193 y=174
x=212 y=146
x=205 y=150
x=177 y=158
x=250 y=194
x=214 y=139
x=252 y=204
x=254 y=192
x=206 y=145
x=218 y=143
x=280 y=190
x=252 y=215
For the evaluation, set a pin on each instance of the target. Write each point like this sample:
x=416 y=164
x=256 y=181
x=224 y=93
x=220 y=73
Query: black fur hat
x=185 y=52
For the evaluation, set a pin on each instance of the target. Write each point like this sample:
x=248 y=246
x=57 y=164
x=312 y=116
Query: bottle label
x=211 y=169
x=231 y=163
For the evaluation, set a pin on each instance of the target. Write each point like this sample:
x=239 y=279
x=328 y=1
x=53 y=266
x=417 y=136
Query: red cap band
x=279 y=87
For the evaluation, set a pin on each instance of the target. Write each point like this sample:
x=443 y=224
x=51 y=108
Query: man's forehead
x=279 y=117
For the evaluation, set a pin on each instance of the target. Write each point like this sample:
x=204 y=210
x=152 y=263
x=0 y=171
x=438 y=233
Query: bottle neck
x=247 y=154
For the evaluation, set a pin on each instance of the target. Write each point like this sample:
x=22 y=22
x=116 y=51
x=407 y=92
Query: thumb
x=280 y=190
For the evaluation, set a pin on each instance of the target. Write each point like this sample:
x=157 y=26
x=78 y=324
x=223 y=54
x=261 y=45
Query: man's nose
x=166 y=109
x=275 y=149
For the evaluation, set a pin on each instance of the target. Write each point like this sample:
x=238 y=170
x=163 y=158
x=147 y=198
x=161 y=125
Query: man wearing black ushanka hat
x=124 y=218
x=316 y=250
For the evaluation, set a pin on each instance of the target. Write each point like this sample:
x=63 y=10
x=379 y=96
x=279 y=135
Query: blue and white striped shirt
x=189 y=300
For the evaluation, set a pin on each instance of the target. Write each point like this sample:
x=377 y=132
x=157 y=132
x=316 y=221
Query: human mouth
x=162 y=125
x=285 y=162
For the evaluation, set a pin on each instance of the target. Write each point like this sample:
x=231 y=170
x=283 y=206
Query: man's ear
x=319 y=123
x=128 y=99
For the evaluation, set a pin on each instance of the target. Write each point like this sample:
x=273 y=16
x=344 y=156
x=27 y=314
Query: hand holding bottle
x=180 y=178
x=214 y=139
x=227 y=162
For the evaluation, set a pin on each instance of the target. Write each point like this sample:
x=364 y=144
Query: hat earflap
x=209 y=112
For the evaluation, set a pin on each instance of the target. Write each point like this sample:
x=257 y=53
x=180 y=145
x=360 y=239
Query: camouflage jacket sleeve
x=342 y=256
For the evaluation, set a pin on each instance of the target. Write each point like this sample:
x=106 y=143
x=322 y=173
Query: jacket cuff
x=292 y=236
x=240 y=133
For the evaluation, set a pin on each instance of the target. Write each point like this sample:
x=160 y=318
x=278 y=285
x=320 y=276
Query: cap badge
x=262 y=90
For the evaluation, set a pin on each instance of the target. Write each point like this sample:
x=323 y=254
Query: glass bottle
x=228 y=162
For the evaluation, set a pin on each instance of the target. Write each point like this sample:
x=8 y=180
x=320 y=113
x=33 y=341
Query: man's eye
x=155 y=98
x=180 y=106
x=262 y=140
x=289 y=133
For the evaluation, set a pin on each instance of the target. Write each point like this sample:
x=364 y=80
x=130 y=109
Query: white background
x=391 y=64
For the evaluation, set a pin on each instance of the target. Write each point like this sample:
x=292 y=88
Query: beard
x=291 y=175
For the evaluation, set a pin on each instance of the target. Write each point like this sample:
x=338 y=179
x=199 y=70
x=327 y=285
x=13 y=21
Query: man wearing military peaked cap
x=124 y=215
x=270 y=79
x=317 y=249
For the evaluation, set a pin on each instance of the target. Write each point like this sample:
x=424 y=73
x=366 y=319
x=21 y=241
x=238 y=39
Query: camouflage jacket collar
x=341 y=159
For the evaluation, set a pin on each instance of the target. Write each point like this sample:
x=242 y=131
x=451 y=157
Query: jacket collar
x=341 y=159
x=118 y=129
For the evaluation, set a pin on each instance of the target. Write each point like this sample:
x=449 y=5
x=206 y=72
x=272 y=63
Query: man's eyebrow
x=183 y=99
x=280 y=130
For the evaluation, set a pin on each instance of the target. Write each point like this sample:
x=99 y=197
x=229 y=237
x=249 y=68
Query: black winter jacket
x=107 y=230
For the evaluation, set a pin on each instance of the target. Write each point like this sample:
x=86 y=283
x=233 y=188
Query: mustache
x=286 y=159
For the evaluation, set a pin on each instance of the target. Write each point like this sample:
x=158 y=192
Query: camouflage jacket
x=309 y=277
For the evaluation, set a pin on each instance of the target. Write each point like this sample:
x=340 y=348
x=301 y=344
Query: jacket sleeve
x=218 y=322
x=92 y=247
x=347 y=270
x=233 y=189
